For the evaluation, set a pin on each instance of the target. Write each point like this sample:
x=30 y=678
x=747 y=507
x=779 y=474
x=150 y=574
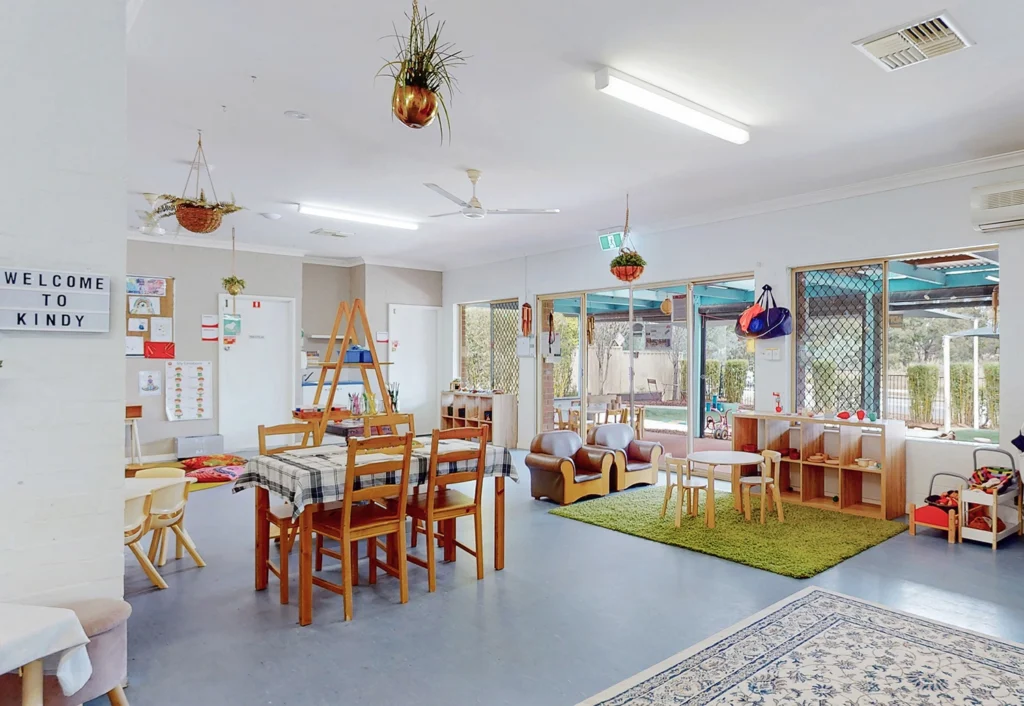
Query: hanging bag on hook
x=774 y=322
x=1018 y=442
x=743 y=323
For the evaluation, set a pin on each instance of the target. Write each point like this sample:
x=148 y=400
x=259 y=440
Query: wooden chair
x=443 y=505
x=767 y=482
x=157 y=543
x=560 y=421
x=574 y=420
x=136 y=525
x=280 y=516
x=687 y=488
x=387 y=424
x=168 y=514
x=381 y=515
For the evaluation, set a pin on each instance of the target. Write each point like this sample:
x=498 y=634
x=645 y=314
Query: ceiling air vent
x=331 y=233
x=901 y=47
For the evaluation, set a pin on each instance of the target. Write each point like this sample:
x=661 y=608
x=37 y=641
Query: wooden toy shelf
x=497 y=413
x=804 y=482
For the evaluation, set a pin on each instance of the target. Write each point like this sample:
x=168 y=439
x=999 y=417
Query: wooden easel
x=349 y=317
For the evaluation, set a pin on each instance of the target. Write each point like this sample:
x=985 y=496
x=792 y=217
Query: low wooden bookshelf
x=497 y=413
x=846 y=439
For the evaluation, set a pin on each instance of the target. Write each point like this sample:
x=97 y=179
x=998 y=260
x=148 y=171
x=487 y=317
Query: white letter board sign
x=44 y=300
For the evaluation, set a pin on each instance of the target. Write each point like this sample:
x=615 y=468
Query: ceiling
x=821 y=114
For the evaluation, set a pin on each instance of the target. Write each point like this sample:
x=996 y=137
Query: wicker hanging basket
x=198 y=219
x=627 y=273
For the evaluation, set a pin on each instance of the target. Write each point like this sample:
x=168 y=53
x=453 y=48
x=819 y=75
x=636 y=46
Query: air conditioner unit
x=998 y=207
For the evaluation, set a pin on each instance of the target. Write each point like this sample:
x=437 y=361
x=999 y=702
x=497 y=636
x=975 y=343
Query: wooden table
x=310 y=477
x=734 y=459
x=138 y=487
x=29 y=634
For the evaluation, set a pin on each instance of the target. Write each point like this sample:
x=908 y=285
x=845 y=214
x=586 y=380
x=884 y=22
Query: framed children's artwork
x=149 y=314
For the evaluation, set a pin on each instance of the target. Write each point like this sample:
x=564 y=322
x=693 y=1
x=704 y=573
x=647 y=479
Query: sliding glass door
x=561 y=329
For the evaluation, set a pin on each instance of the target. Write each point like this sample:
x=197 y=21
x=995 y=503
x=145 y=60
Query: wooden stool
x=105 y=621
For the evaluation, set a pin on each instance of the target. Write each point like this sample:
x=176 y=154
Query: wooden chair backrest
x=559 y=419
x=160 y=473
x=136 y=517
x=395 y=488
x=476 y=472
x=673 y=464
x=387 y=424
x=773 y=463
x=290 y=429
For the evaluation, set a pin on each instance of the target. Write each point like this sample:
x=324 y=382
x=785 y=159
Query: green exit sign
x=610 y=241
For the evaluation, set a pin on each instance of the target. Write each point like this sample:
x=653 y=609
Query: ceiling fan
x=474 y=210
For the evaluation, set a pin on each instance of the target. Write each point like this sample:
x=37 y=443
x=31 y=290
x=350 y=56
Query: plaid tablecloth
x=317 y=474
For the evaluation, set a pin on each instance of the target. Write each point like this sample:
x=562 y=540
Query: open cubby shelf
x=501 y=428
x=819 y=484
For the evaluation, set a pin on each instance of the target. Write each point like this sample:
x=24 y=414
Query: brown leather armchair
x=563 y=469
x=636 y=462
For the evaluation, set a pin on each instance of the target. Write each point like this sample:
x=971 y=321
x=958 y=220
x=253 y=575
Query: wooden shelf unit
x=785 y=431
x=502 y=427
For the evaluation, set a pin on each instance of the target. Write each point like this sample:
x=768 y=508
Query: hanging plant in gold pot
x=232 y=284
x=422 y=72
x=195 y=213
x=628 y=265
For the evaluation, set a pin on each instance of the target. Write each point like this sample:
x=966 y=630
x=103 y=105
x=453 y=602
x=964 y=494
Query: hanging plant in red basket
x=627 y=266
x=195 y=213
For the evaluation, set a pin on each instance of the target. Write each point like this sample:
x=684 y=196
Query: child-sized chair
x=168 y=513
x=688 y=488
x=767 y=482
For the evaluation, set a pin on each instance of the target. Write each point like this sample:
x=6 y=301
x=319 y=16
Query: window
x=913 y=339
x=487 y=345
x=838 y=328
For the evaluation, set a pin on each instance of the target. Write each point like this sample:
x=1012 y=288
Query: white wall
x=913 y=219
x=396 y=285
x=62 y=207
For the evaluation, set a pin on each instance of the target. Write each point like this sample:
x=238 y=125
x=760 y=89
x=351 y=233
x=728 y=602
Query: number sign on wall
x=43 y=300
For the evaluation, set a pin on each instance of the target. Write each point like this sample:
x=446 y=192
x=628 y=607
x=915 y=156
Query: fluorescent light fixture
x=307 y=210
x=657 y=100
x=990 y=278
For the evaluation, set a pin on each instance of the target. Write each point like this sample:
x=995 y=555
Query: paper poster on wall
x=133 y=345
x=188 y=393
x=658 y=336
x=210 y=327
x=232 y=325
x=144 y=306
x=138 y=324
x=149 y=383
x=151 y=286
x=162 y=330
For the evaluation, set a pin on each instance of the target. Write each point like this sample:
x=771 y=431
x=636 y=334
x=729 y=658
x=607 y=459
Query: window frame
x=489 y=303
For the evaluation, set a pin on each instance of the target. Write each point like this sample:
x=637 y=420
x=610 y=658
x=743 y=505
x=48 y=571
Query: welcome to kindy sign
x=34 y=300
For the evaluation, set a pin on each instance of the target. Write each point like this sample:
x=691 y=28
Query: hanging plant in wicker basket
x=195 y=213
x=422 y=72
x=627 y=266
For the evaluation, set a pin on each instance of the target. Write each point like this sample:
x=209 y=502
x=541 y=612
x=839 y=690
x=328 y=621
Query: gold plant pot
x=234 y=289
x=415 y=106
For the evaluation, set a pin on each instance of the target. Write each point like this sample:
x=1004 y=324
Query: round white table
x=733 y=459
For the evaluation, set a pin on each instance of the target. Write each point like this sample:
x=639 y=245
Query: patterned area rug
x=819 y=647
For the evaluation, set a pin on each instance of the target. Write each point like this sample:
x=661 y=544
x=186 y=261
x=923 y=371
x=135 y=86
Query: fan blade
x=442 y=215
x=447 y=194
x=521 y=211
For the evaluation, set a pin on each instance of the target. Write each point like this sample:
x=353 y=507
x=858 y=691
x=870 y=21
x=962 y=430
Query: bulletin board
x=149 y=312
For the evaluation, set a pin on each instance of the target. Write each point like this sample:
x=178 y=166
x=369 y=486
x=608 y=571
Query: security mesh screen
x=487 y=347
x=504 y=362
x=839 y=339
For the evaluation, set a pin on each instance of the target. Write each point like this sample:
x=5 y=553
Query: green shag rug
x=808 y=542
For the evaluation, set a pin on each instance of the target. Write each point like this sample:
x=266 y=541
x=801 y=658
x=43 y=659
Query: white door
x=413 y=354
x=259 y=372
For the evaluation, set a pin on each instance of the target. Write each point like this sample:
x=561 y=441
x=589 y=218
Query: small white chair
x=168 y=513
x=768 y=484
x=136 y=525
x=688 y=487
x=157 y=542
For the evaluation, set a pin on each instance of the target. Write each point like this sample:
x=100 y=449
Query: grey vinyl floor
x=577 y=609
